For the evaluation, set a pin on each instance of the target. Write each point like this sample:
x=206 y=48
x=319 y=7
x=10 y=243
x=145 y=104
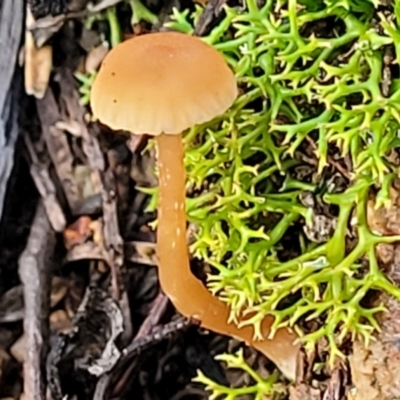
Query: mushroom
x=161 y=84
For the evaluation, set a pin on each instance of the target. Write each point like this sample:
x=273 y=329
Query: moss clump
x=312 y=76
x=263 y=388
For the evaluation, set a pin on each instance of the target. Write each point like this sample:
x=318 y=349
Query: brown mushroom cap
x=162 y=82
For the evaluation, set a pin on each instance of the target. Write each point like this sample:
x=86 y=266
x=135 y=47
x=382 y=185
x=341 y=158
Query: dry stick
x=112 y=240
x=46 y=187
x=58 y=147
x=11 y=22
x=35 y=277
x=153 y=318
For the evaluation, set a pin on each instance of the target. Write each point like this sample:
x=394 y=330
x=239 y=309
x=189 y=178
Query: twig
x=46 y=187
x=11 y=23
x=58 y=147
x=35 y=277
x=152 y=320
x=148 y=340
x=58 y=344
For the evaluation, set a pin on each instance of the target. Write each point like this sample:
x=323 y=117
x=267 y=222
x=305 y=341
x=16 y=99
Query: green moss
x=264 y=388
x=323 y=85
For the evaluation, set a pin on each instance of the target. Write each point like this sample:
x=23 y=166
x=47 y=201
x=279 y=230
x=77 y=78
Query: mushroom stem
x=189 y=296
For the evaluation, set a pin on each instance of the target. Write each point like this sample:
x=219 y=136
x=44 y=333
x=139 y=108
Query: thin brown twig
x=58 y=147
x=156 y=312
x=45 y=186
x=35 y=277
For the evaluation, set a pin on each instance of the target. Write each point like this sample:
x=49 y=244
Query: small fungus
x=165 y=83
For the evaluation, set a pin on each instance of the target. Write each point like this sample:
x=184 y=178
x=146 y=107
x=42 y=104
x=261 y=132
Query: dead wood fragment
x=149 y=339
x=90 y=341
x=153 y=318
x=136 y=252
x=85 y=251
x=58 y=147
x=336 y=386
x=112 y=240
x=75 y=112
x=58 y=345
x=38 y=62
x=97 y=300
x=11 y=23
x=46 y=188
x=156 y=335
x=34 y=271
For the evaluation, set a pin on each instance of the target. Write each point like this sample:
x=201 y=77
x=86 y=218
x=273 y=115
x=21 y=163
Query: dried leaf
x=38 y=62
x=59 y=289
x=78 y=232
x=19 y=350
x=59 y=321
